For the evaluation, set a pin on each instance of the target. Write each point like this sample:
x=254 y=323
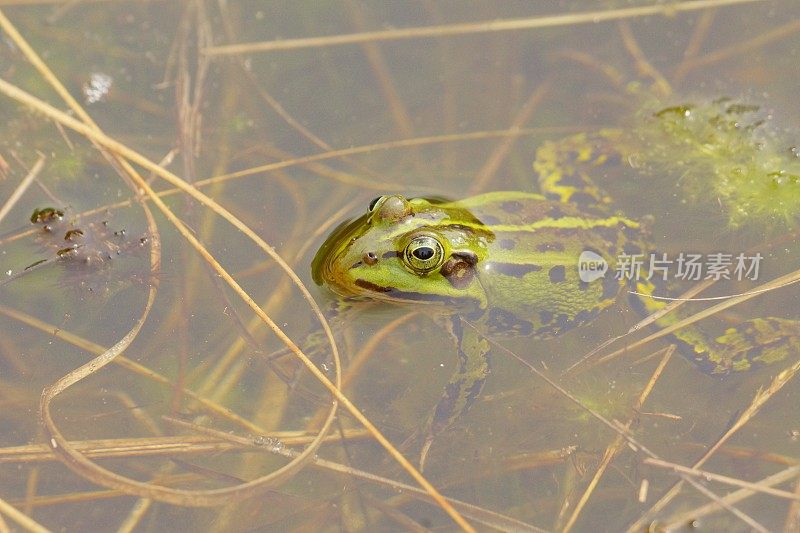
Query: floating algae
x=724 y=151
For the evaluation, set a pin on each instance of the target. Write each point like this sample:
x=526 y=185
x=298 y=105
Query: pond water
x=140 y=391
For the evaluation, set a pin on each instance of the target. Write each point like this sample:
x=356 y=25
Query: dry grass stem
x=777 y=283
x=130 y=365
x=761 y=397
x=740 y=48
x=161 y=446
x=710 y=476
x=365 y=354
x=793 y=513
x=377 y=147
x=14 y=3
x=22 y=187
x=683 y=518
x=476 y=513
x=570 y=19
x=624 y=432
x=22 y=520
x=403 y=124
x=501 y=152
x=619 y=442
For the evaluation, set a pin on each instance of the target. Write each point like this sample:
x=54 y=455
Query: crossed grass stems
x=79 y=455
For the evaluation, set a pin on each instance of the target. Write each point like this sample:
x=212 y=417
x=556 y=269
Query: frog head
x=405 y=250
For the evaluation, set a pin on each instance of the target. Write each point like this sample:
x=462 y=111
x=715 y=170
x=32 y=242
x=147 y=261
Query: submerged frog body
x=507 y=263
x=508 y=260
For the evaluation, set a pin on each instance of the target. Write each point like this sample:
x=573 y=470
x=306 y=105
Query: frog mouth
x=364 y=284
x=394 y=295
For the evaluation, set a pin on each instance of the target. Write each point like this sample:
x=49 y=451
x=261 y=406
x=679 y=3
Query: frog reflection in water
x=507 y=264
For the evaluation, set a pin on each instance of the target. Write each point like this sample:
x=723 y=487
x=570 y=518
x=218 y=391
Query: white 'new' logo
x=591 y=266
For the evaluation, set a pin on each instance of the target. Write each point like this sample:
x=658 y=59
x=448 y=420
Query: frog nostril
x=370 y=258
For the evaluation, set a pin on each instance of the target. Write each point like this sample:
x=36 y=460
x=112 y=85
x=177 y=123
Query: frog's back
x=531 y=272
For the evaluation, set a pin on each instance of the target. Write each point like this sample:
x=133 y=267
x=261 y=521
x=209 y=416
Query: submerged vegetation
x=724 y=151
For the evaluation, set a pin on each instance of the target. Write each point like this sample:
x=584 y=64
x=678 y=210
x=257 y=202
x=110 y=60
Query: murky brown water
x=446 y=115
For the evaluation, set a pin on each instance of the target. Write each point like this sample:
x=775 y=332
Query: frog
x=506 y=263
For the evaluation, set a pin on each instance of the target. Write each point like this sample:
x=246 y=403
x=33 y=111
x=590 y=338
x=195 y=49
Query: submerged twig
x=22 y=187
x=644 y=66
x=130 y=365
x=158 y=446
x=23 y=520
x=479 y=514
x=683 y=518
x=693 y=47
x=619 y=441
x=487 y=172
x=404 y=126
x=758 y=401
x=570 y=19
x=782 y=281
x=727 y=480
x=739 y=48
x=622 y=431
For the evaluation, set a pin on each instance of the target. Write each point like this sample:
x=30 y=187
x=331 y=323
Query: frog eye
x=373 y=203
x=423 y=254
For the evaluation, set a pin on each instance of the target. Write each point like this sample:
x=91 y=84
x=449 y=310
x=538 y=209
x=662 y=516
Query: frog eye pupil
x=423 y=253
x=373 y=203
